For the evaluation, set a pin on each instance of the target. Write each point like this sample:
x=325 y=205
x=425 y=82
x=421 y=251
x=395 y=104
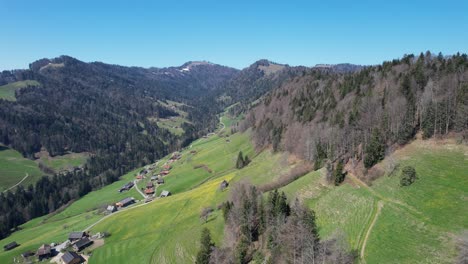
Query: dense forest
x=335 y=116
x=102 y=109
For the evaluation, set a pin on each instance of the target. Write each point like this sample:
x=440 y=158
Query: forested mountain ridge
x=331 y=115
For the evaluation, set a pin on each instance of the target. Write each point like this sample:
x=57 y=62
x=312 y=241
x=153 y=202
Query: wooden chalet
x=149 y=191
x=111 y=208
x=75 y=236
x=160 y=181
x=167 y=167
x=149 y=184
x=44 y=252
x=27 y=254
x=82 y=244
x=71 y=257
x=126 y=202
x=165 y=172
x=10 y=246
x=127 y=187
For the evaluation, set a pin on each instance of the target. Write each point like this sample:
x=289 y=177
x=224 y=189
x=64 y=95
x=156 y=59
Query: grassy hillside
x=14 y=168
x=415 y=224
x=7 y=91
x=173 y=124
x=65 y=162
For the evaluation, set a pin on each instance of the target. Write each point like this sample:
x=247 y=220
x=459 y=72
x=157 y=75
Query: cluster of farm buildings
x=71 y=251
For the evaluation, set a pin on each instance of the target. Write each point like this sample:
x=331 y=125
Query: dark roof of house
x=44 y=250
x=10 y=245
x=127 y=200
x=149 y=184
x=84 y=242
x=76 y=235
x=161 y=180
x=69 y=256
x=27 y=254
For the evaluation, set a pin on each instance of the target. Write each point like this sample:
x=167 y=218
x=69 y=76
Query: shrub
x=408 y=176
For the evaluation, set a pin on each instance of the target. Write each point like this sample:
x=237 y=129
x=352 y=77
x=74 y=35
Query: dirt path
x=224 y=126
x=138 y=189
x=110 y=215
x=25 y=177
x=381 y=200
x=380 y=204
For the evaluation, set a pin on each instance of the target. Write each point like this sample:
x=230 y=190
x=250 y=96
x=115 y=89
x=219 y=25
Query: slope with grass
x=388 y=223
x=14 y=168
x=7 y=91
x=64 y=162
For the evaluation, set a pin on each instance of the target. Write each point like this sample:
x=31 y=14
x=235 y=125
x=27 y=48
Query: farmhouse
x=149 y=191
x=153 y=178
x=165 y=172
x=165 y=194
x=111 y=208
x=44 y=252
x=126 y=187
x=160 y=181
x=126 y=202
x=27 y=254
x=167 y=167
x=10 y=246
x=71 y=257
x=74 y=236
x=149 y=185
x=82 y=244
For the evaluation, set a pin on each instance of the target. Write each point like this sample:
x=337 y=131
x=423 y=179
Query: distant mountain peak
x=268 y=67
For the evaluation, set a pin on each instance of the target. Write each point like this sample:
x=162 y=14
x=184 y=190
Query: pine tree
x=338 y=173
x=206 y=244
x=375 y=150
x=240 y=161
x=427 y=124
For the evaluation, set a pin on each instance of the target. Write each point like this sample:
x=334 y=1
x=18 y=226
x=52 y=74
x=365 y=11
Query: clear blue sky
x=234 y=33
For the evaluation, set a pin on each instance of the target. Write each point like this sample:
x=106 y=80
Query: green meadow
x=14 y=168
x=7 y=91
x=66 y=161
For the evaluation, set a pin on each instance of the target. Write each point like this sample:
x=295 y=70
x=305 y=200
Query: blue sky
x=233 y=33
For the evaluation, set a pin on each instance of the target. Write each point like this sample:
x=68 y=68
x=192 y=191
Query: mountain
x=251 y=83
